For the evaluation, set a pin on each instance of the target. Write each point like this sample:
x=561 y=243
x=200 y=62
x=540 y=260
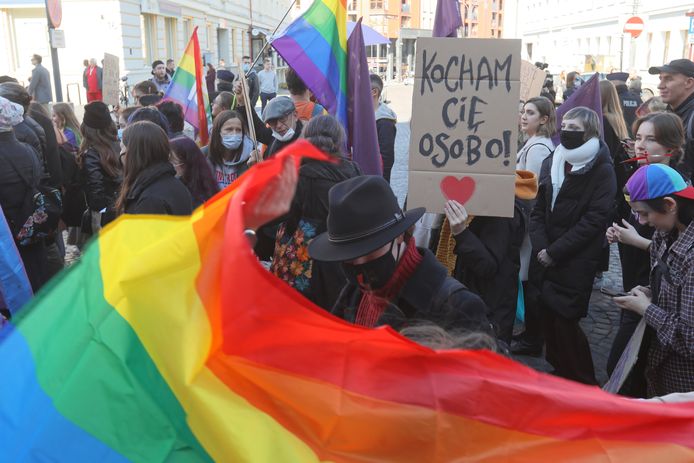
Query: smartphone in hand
x=613 y=293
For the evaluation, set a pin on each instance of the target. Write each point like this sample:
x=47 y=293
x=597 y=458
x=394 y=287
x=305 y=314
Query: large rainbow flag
x=168 y=341
x=315 y=46
x=188 y=89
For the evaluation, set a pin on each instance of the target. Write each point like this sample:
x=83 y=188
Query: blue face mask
x=120 y=134
x=246 y=67
x=232 y=141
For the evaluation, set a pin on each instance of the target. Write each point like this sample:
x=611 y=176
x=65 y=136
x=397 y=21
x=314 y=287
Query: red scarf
x=374 y=303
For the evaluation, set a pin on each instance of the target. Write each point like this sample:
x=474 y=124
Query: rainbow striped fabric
x=188 y=89
x=315 y=46
x=168 y=341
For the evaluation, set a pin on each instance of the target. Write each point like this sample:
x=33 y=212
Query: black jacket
x=573 y=233
x=630 y=103
x=51 y=154
x=25 y=134
x=430 y=294
x=386 y=130
x=623 y=170
x=100 y=188
x=686 y=112
x=157 y=191
x=13 y=190
x=489 y=262
x=311 y=204
x=264 y=135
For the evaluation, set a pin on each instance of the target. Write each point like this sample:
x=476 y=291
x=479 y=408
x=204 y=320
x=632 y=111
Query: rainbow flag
x=188 y=89
x=168 y=341
x=315 y=46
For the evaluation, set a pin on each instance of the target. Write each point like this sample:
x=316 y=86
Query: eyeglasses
x=274 y=123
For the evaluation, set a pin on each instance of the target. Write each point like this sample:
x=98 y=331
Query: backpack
x=40 y=212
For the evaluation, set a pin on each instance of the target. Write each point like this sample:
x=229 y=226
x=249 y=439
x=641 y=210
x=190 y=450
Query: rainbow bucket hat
x=655 y=181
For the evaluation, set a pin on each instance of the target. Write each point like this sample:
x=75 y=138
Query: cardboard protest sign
x=464 y=125
x=111 y=77
x=531 y=80
x=627 y=360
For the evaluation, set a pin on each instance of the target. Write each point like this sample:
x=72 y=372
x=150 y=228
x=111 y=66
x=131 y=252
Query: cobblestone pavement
x=602 y=321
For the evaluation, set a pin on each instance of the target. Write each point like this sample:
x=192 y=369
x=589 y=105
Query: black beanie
x=156 y=63
x=97 y=115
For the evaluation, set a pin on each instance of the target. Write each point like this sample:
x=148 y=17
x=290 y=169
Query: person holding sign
x=662 y=198
x=659 y=140
x=574 y=207
x=488 y=250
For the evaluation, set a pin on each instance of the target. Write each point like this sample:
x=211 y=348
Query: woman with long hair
x=230 y=148
x=567 y=229
x=65 y=120
x=659 y=140
x=661 y=198
x=539 y=122
x=150 y=185
x=98 y=162
x=193 y=170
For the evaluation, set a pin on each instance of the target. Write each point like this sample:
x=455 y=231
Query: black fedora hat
x=363 y=216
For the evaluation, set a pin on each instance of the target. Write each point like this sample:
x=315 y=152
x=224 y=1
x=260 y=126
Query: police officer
x=630 y=101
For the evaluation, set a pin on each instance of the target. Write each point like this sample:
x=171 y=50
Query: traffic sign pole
x=51 y=19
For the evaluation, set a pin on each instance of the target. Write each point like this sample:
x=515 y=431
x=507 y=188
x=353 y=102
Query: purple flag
x=587 y=95
x=362 y=138
x=15 y=289
x=447 y=20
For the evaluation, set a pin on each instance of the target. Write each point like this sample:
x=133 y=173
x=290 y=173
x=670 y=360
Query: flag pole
x=267 y=42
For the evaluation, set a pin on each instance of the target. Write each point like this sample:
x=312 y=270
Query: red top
x=92 y=81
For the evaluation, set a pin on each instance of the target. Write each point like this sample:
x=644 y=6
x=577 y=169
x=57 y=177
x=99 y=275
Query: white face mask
x=286 y=137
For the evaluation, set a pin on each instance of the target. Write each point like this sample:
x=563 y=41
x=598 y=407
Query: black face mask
x=373 y=274
x=571 y=140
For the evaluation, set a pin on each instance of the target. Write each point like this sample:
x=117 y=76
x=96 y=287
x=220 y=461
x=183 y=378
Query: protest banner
x=111 y=77
x=465 y=124
x=627 y=360
x=531 y=80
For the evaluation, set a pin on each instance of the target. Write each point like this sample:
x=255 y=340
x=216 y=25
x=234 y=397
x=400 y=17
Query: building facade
x=137 y=31
x=588 y=36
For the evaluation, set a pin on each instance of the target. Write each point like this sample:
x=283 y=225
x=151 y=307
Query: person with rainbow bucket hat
x=661 y=198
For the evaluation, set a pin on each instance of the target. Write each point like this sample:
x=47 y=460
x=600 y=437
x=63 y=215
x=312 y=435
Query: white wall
x=93 y=27
x=562 y=32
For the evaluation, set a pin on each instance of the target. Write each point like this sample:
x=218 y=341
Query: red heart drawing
x=458 y=190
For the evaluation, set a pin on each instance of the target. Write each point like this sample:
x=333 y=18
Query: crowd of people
x=341 y=239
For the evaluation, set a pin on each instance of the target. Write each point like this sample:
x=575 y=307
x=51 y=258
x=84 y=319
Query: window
x=352 y=5
x=171 y=38
x=376 y=4
x=148 y=24
x=187 y=29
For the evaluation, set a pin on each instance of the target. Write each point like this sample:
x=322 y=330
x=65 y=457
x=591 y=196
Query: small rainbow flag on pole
x=169 y=341
x=315 y=46
x=188 y=89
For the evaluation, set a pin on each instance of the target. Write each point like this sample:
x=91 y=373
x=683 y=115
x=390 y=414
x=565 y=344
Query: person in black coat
x=19 y=160
x=36 y=117
x=99 y=164
x=321 y=282
x=386 y=129
x=150 y=185
x=575 y=204
x=488 y=250
x=389 y=280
